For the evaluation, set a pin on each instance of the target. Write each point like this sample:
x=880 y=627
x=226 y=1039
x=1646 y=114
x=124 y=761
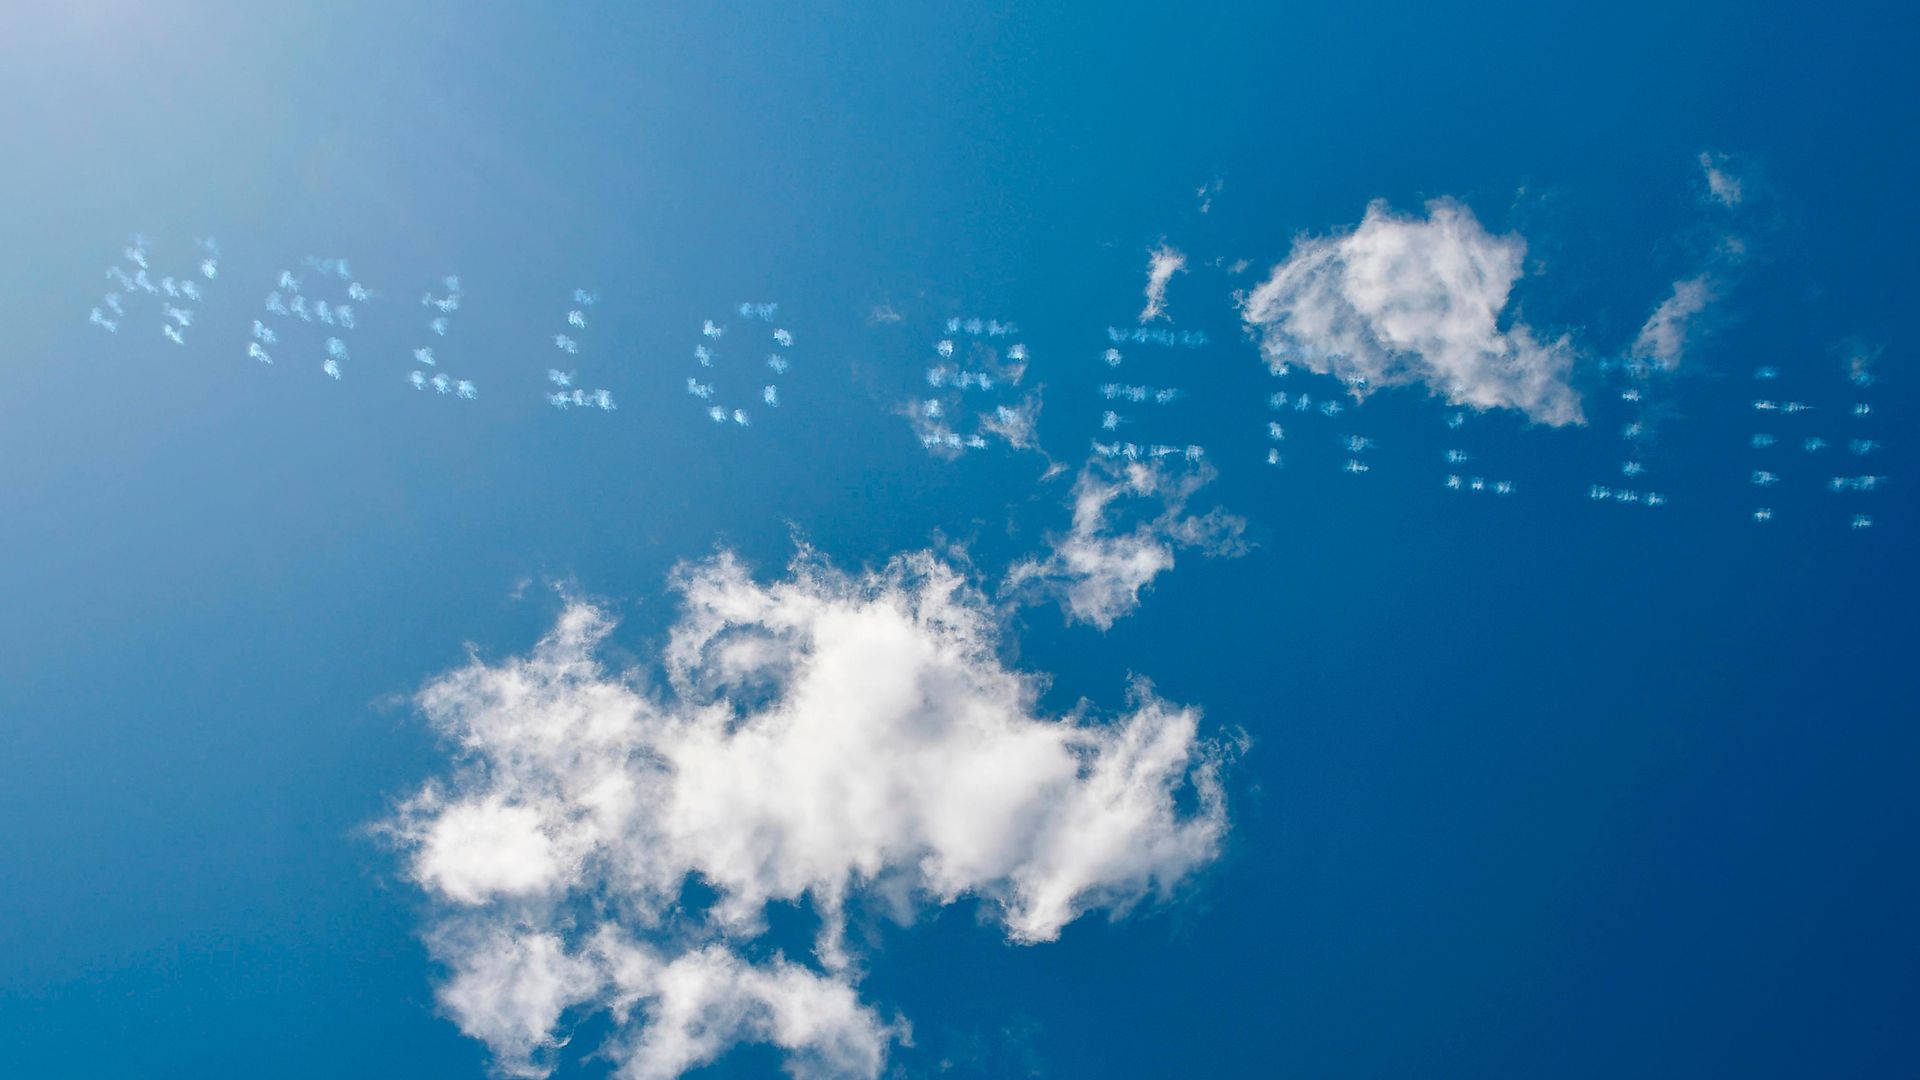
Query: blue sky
x=1452 y=782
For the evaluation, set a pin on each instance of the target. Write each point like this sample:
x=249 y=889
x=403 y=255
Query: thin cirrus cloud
x=1664 y=337
x=1723 y=186
x=1099 y=568
x=1409 y=300
x=1685 y=315
x=1162 y=263
x=827 y=738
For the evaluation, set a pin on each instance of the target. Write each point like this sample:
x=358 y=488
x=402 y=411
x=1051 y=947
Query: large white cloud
x=1404 y=300
x=827 y=738
x=1099 y=567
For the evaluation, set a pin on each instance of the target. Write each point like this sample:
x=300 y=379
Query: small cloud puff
x=1723 y=186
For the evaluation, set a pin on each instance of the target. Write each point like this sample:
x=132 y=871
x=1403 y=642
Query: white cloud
x=1097 y=570
x=511 y=984
x=1722 y=185
x=1162 y=263
x=479 y=849
x=1403 y=300
x=1682 y=318
x=828 y=739
x=509 y=987
x=1663 y=338
x=703 y=1002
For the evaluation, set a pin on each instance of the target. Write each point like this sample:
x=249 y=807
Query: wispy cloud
x=1723 y=186
x=1205 y=193
x=1162 y=263
x=1687 y=313
x=1664 y=336
x=1099 y=568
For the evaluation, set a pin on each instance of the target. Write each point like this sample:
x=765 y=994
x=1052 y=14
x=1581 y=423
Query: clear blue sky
x=1533 y=785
